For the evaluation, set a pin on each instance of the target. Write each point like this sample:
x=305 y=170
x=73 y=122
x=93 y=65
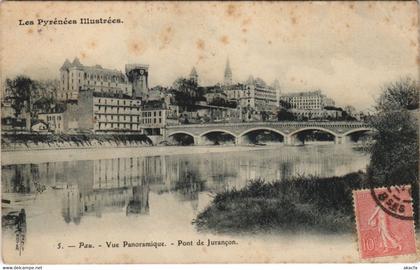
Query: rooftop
x=301 y=94
x=154 y=105
x=96 y=68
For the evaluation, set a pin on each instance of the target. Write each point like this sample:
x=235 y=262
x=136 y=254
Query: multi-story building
x=75 y=77
x=258 y=95
x=255 y=94
x=153 y=117
x=312 y=105
x=235 y=92
x=313 y=100
x=107 y=112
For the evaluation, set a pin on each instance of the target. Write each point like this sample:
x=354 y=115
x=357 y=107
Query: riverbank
x=54 y=155
x=300 y=204
x=33 y=141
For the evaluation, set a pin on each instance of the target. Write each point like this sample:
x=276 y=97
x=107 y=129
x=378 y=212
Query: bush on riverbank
x=297 y=204
x=8 y=140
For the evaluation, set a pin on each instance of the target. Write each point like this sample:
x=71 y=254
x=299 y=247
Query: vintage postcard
x=209 y=132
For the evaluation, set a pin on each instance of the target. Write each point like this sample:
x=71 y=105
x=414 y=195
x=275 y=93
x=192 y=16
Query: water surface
x=152 y=197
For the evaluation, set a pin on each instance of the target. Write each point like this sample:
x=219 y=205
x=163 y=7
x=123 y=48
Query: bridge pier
x=287 y=140
x=292 y=140
x=197 y=140
x=338 y=140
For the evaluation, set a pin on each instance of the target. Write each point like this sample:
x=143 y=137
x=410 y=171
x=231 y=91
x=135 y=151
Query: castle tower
x=194 y=76
x=228 y=74
x=62 y=93
x=138 y=75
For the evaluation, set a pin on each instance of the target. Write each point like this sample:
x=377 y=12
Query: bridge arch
x=194 y=139
x=218 y=130
x=262 y=128
x=314 y=128
x=202 y=136
x=181 y=132
x=357 y=130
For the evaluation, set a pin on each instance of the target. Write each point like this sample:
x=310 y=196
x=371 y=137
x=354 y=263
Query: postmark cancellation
x=384 y=220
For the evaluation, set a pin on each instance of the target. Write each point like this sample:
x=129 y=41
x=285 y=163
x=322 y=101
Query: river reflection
x=96 y=188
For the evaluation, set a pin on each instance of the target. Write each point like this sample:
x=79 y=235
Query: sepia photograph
x=209 y=132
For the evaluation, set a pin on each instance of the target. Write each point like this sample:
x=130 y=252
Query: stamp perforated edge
x=417 y=254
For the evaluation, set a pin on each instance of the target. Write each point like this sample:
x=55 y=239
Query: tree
x=400 y=95
x=395 y=153
x=285 y=104
x=284 y=113
x=20 y=90
x=264 y=116
x=186 y=92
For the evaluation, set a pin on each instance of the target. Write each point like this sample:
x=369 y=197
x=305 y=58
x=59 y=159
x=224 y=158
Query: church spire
x=228 y=73
x=194 y=75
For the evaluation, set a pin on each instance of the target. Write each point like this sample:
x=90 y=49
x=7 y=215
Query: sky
x=349 y=50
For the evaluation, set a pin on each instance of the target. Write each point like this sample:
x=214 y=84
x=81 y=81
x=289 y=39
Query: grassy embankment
x=86 y=140
x=310 y=204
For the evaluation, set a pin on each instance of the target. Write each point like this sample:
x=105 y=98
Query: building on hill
x=75 y=77
x=253 y=93
x=312 y=105
x=312 y=100
x=261 y=95
x=235 y=92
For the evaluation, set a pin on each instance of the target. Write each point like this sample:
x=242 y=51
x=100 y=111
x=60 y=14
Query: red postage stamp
x=384 y=218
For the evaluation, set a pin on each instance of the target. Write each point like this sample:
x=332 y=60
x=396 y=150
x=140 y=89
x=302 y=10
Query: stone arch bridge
x=341 y=131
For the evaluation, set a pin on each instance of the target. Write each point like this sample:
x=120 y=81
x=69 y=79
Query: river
x=154 y=198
